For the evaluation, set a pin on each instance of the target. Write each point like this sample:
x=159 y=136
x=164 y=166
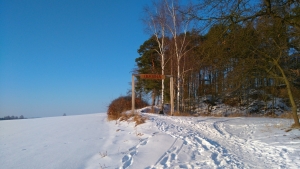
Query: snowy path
x=209 y=143
x=91 y=142
x=201 y=150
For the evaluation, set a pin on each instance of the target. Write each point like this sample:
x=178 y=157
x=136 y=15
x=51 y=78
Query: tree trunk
x=178 y=88
x=153 y=101
x=291 y=97
x=162 y=81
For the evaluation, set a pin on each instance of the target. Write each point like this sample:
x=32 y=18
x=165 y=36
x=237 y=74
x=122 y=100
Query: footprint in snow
x=127 y=160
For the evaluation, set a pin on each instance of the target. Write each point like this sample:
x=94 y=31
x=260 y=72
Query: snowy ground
x=89 y=141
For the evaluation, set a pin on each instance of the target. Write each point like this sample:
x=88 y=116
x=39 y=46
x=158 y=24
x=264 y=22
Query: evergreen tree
x=149 y=63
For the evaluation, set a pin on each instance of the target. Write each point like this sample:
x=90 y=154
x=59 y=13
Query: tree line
x=222 y=49
x=12 y=117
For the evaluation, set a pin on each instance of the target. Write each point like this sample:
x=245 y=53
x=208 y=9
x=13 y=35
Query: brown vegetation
x=236 y=115
x=118 y=107
x=139 y=119
x=133 y=116
x=234 y=101
x=287 y=115
x=176 y=113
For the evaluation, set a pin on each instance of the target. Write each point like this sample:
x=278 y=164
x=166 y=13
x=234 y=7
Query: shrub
x=122 y=104
x=232 y=101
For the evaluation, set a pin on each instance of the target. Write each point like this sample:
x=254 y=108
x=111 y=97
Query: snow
x=90 y=141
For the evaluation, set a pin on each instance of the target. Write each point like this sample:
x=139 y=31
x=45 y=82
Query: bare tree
x=178 y=27
x=167 y=23
x=156 y=21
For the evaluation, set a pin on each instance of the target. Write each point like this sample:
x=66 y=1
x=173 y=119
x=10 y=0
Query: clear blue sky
x=67 y=56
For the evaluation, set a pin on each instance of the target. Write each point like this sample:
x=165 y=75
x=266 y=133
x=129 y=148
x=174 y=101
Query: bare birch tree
x=178 y=27
x=156 y=21
x=166 y=21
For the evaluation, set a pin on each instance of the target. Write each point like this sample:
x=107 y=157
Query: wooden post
x=172 y=95
x=152 y=76
x=132 y=94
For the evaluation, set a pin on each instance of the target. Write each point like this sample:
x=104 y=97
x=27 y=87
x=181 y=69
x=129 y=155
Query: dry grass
x=137 y=133
x=181 y=114
x=270 y=114
x=126 y=116
x=133 y=117
x=234 y=101
x=139 y=119
x=287 y=115
x=236 y=115
x=205 y=114
x=103 y=154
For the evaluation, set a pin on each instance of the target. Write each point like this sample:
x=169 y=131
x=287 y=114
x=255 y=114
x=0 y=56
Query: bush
x=232 y=101
x=122 y=104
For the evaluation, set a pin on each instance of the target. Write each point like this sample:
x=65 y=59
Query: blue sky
x=67 y=56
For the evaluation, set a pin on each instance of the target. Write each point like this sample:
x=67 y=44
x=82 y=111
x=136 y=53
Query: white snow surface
x=90 y=141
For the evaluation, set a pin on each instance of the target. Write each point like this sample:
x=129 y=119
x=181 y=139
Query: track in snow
x=207 y=143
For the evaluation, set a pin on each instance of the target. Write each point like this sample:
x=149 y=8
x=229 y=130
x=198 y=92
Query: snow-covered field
x=89 y=141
